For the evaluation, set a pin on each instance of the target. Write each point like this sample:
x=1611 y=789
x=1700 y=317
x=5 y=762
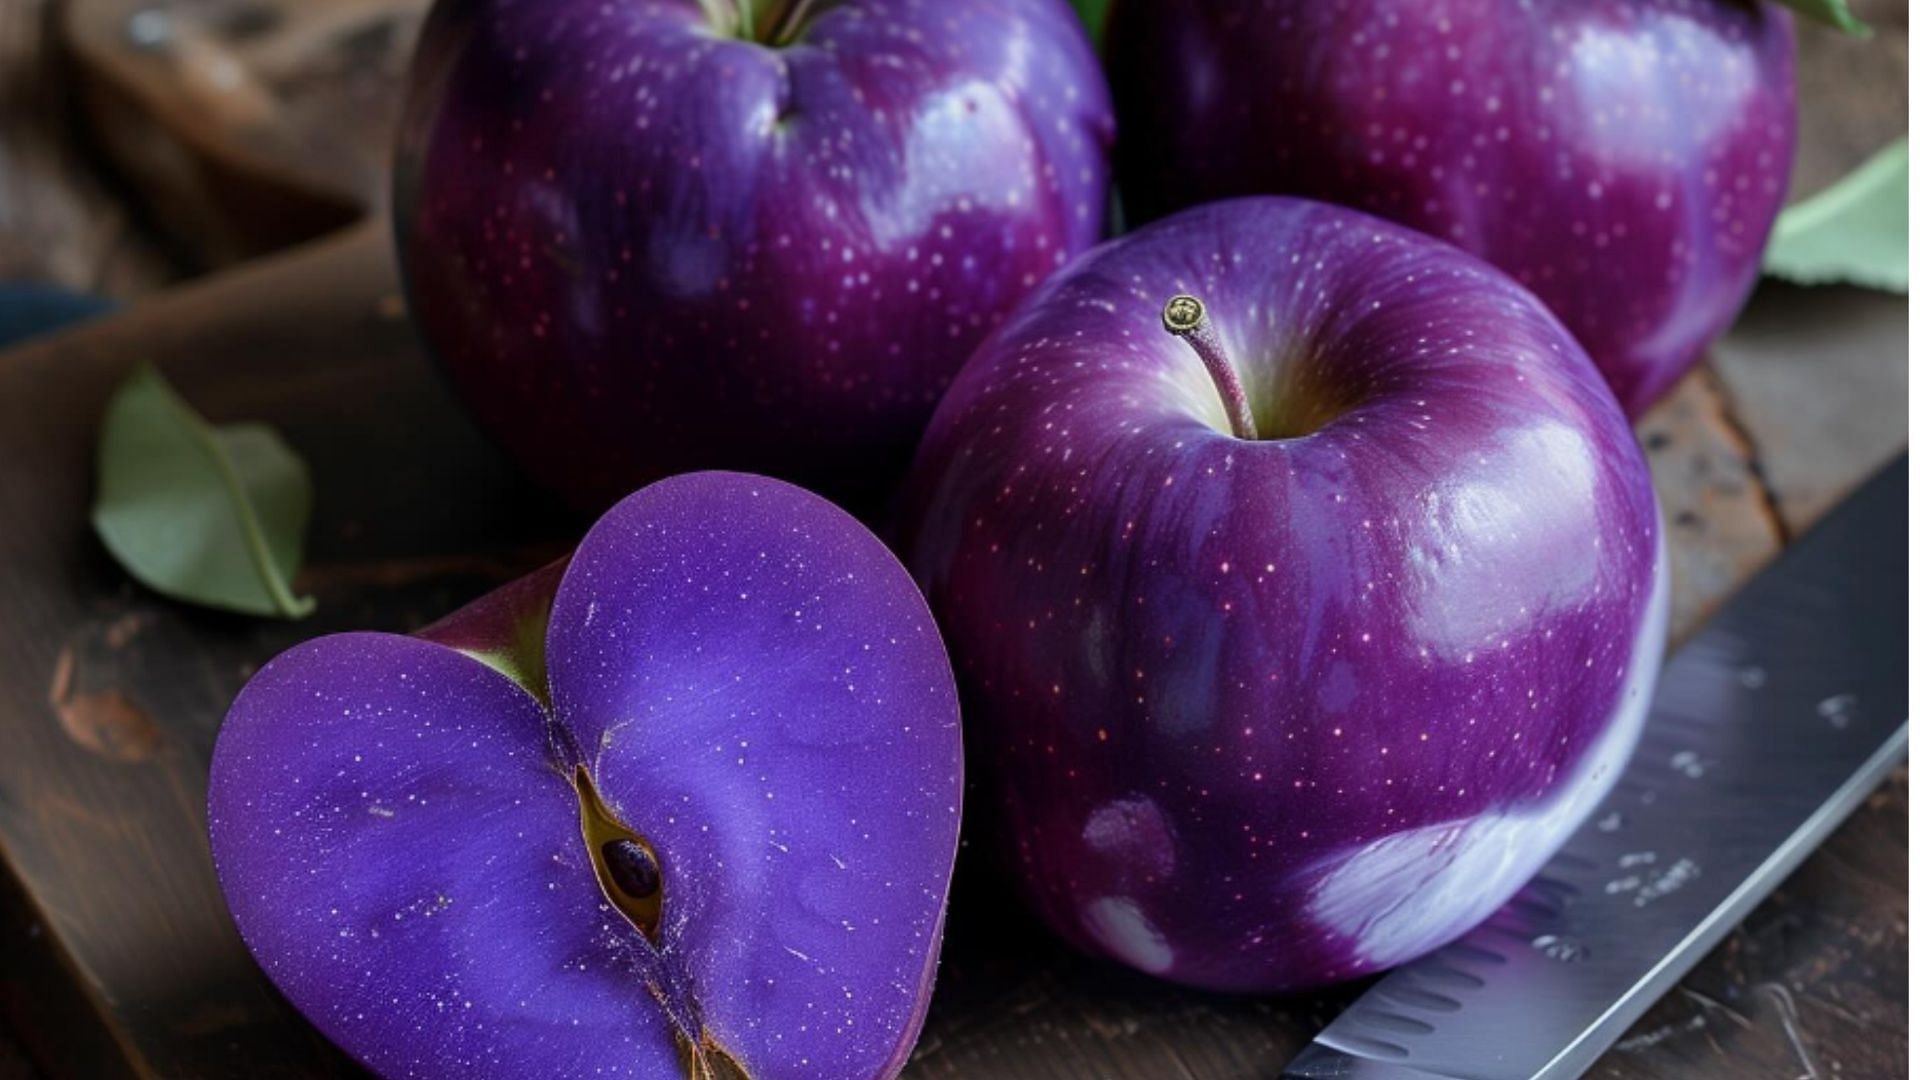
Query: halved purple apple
x=684 y=805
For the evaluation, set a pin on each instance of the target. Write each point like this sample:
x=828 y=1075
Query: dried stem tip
x=1185 y=317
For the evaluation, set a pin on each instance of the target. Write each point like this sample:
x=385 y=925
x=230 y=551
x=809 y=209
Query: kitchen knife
x=1767 y=728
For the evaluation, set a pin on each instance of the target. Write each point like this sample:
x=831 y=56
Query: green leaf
x=1094 y=14
x=213 y=516
x=1833 y=13
x=1853 y=232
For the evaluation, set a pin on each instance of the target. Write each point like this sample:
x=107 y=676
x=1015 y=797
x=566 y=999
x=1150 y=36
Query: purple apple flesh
x=1624 y=159
x=686 y=805
x=1300 y=619
x=644 y=237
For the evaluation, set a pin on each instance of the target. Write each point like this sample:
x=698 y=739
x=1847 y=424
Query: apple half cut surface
x=684 y=805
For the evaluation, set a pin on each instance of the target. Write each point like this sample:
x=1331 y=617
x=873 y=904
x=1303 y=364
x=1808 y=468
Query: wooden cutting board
x=118 y=957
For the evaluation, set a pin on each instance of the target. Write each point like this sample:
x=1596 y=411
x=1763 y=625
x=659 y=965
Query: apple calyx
x=1185 y=317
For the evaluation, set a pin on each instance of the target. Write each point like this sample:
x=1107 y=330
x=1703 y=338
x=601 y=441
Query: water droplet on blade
x=1689 y=764
x=1838 y=710
x=1561 y=948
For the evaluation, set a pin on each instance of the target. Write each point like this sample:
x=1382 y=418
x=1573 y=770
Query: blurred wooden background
x=145 y=142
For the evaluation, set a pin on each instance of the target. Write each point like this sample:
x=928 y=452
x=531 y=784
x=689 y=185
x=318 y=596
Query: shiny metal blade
x=1767 y=729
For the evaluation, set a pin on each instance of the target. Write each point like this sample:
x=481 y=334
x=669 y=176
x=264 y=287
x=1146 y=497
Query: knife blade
x=1767 y=729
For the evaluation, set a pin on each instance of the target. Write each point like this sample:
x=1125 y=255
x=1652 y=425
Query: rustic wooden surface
x=60 y=222
x=248 y=125
x=112 y=697
x=115 y=956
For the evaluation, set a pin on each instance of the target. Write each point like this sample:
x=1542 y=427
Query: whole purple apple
x=684 y=805
x=1293 y=648
x=659 y=235
x=1624 y=159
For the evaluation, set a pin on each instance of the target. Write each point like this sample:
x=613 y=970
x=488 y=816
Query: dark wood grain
x=246 y=125
x=61 y=223
x=102 y=823
x=1721 y=527
x=1778 y=375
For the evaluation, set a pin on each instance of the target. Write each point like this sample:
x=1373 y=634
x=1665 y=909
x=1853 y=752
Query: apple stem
x=722 y=15
x=770 y=22
x=792 y=23
x=1186 y=317
x=760 y=18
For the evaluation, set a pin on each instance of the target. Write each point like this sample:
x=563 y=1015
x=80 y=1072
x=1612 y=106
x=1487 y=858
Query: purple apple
x=643 y=238
x=684 y=805
x=1291 y=649
x=1624 y=159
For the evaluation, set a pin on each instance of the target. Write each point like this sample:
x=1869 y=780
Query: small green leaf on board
x=1854 y=232
x=212 y=516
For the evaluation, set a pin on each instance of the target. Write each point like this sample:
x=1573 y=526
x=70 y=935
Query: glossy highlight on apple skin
x=1261 y=715
x=754 y=690
x=639 y=245
x=1623 y=159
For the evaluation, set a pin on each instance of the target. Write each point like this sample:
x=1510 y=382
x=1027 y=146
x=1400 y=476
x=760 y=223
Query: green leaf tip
x=1093 y=13
x=1854 y=232
x=1834 y=13
x=215 y=516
